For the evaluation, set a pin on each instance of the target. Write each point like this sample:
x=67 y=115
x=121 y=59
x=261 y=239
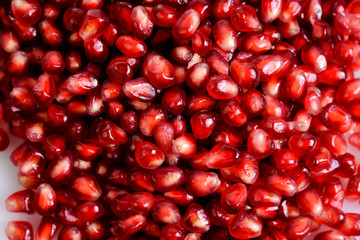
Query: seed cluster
x=182 y=119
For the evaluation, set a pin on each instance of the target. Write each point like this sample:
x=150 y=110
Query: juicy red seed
x=186 y=25
x=47 y=228
x=225 y=35
x=131 y=46
x=195 y=219
x=90 y=211
x=247 y=13
x=165 y=179
x=279 y=182
x=26 y=11
x=44 y=201
x=244 y=226
x=298 y=227
x=165 y=15
x=166 y=212
x=142 y=22
x=310 y=201
x=222 y=87
x=160 y=72
x=73 y=18
x=85 y=187
x=202 y=183
x=20 y=201
x=71 y=232
x=87 y=149
x=17 y=63
x=260 y=196
x=234 y=197
x=139 y=89
x=266 y=146
x=171 y=231
x=174 y=100
x=93 y=24
x=19 y=230
x=149 y=156
x=202 y=124
x=222 y=155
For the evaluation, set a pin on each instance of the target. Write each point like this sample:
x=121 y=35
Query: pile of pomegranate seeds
x=179 y=119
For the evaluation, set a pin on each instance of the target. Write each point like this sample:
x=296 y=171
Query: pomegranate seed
x=347 y=165
x=331 y=217
x=218 y=216
x=174 y=100
x=201 y=43
x=260 y=150
x=160 y=72
x=353 y=187
x=244 y=226
x=50 y=33
x=244 y=18
x=302 y=143
x=309 y=200
x=94 y=230
x=180 y=196
x=71 y=232
x=166 y=212
x=270 y=10
x=149 y=156
x=234 y=197
x=195 y=219
x=85 y=187
x=119 y=71
x=336 y=118
x=245 y=170
x=26 y=11
x=164 y=15
x=259 y=196
x=73 y=18
x=131 y=46
x=279 y=182
x=298 y=227
x=350 y=227
x=47 y=228
x=181 y=55
x=20 y=201
x=202 y=124
x=171 y=232
x=222 y=87
x=184 y=146
x=81 y=83
x=19 y=230
x=225 y=35
x=332 y=234
x=90 y=211
x=286 y=159
x=8 y=41
x=44 y=201
x=93 y=24
x=96 y=50
x=165 y=179
x=289 y=209
x=221 y=156
x=202 y=183
x=186 y=24
x=88 y=150
x=142 y=22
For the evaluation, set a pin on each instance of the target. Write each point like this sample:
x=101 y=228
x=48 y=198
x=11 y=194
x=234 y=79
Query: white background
x=9 y=185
